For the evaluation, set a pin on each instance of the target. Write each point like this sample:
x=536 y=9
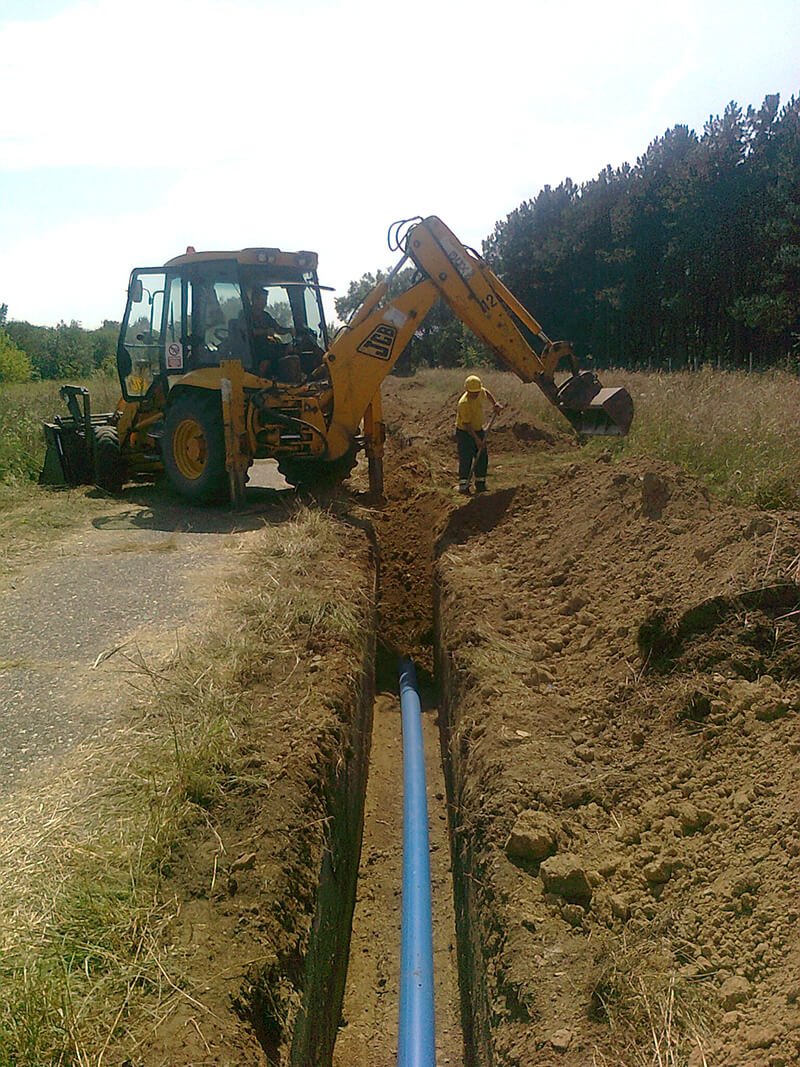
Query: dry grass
x=656 y=1017
x=84 y=903
x=734 y=430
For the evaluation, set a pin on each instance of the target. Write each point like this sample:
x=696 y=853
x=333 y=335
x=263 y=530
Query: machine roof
x=257 y=257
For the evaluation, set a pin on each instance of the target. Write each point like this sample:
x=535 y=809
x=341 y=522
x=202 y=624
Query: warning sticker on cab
x=380 y=342
x=175 y=356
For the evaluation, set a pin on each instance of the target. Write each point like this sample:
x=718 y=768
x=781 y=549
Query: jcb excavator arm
x=365 y=352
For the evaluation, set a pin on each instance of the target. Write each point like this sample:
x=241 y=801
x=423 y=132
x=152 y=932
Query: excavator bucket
x=592 y=409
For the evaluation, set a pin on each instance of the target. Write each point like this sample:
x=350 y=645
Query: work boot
x=480 y=487
x=463 y=488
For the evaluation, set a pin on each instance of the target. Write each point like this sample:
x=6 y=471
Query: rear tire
x=109 y=465
x=194 y=447
x=317 y=473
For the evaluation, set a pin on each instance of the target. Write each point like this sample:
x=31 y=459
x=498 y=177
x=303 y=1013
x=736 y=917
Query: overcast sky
x=130 y=130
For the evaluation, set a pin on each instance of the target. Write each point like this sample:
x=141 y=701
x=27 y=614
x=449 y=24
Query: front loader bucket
x=592 y=409
x=68 y=459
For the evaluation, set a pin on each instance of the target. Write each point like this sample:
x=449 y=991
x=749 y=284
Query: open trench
x=363 y=870
x=656 y=820
x=369 y=1028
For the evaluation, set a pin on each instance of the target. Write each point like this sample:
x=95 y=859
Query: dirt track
x=124 y=589
x=617 y=664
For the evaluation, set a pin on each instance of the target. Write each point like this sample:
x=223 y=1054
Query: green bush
x=14 y=363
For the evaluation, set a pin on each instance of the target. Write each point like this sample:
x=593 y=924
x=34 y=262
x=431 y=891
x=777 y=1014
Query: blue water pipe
x=416 y=1045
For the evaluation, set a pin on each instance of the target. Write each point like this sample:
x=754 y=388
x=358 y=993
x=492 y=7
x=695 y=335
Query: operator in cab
x=269 y=337
x=264 y=324
x=473 y=457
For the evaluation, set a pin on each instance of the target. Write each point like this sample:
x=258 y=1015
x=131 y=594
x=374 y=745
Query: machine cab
x=260 y=306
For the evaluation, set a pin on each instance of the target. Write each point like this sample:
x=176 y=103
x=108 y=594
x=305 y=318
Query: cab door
x=141 y=340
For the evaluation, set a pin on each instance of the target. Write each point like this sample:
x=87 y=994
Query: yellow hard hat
x=473 y=384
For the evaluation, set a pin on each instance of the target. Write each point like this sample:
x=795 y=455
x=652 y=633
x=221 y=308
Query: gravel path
x=127 y=585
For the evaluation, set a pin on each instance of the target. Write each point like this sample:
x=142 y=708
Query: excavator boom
x=379 y=331
x=475 y=293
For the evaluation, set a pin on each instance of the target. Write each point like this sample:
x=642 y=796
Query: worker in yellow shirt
x=471 y=436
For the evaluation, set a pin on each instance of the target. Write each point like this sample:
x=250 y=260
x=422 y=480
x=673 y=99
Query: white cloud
x=110 y=84
x=315 y=123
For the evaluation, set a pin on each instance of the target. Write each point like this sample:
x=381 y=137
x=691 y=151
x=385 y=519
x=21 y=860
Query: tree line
x=65 y=351
x=687 y=257
x=690 y=256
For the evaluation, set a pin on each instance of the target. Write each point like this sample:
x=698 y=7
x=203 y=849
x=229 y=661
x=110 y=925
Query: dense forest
x=690 y=256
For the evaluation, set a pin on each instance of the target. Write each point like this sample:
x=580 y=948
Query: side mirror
x=136 y=291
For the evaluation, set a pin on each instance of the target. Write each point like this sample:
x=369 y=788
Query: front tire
x=109 y=465
x=194 y=447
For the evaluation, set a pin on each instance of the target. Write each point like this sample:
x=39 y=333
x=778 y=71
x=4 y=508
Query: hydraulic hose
x=416 y=1043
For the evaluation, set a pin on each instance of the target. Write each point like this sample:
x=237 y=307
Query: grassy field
x=736 y=431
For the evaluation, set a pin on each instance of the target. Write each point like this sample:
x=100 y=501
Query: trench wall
x=455 y=684
x=325 y=970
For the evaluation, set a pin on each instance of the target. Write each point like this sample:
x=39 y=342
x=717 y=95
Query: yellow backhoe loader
x=224 y=358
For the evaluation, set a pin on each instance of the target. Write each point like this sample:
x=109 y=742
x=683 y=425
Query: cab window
x=217 y=329
x=205 y=321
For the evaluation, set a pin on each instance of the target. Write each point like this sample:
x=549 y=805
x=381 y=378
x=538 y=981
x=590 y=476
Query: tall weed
x=23 y=409
x=736 y=431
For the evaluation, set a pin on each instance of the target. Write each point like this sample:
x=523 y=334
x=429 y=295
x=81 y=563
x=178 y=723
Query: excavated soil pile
x=421 y=471
x=619 y=657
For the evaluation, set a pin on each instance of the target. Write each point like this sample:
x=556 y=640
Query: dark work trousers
x=466 y=453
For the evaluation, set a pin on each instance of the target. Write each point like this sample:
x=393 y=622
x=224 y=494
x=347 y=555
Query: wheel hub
x=190 y=448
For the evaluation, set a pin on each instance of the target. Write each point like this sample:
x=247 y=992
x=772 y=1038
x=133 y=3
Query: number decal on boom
x=380 y=342
x=488 y=302
x=457 y=260
x=461 y=265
